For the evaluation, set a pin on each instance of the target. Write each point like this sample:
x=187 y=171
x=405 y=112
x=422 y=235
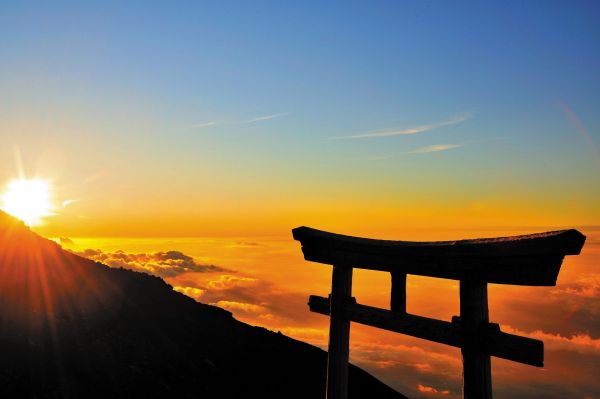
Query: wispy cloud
x=202 y=125
x=233 y=122
x=427 y=390
x=435 y=148
x=411 y=130
x=69 y=202
x=581 y=343
x=444 y=147
x=265 y=117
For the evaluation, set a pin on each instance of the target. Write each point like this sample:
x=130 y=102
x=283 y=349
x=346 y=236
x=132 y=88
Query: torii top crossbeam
x=532 y=259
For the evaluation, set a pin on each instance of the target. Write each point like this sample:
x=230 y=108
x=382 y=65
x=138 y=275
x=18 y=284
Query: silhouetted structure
x=533 y=260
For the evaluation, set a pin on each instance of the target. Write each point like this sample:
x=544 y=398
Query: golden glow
x=27 y=199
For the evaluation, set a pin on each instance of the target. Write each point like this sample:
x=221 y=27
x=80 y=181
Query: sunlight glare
x=28 y=200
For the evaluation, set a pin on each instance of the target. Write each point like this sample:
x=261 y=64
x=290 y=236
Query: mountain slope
x=71 y=328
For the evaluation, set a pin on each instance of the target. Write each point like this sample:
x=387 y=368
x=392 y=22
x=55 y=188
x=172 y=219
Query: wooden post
x=477 y=375
x=398 y=300
x=339 y=334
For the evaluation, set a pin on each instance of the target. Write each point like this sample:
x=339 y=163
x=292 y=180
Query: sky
x=201 y=118
x=214 y=128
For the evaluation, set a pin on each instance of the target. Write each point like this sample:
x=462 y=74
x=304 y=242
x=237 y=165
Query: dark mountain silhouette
x=74 y=328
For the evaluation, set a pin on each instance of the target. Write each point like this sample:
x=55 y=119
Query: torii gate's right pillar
x=474 y=319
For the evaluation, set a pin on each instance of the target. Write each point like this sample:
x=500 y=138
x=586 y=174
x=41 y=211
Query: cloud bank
x=162 y=264
x=565 y=317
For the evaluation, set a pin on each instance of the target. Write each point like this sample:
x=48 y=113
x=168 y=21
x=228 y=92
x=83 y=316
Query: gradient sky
x=212 y=118
x=232 y=123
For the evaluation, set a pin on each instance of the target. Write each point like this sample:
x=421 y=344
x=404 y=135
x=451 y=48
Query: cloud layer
x=162 y=264
x=565 y=317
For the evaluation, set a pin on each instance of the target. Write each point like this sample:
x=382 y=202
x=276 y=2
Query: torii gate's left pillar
x=339 y=334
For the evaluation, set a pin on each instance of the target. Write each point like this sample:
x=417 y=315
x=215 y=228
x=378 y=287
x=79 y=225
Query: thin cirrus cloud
x=202 y=125
x=411 y=130
x=252 y=120
x=435 y=148
x=265 y=117
x=445 y=147
x=69 y=202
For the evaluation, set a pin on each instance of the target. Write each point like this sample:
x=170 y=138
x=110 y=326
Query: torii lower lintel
x=520 y=260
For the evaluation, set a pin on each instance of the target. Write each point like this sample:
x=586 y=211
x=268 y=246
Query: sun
x=27 y=199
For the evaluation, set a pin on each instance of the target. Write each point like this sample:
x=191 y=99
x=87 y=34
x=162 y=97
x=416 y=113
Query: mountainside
x=74 y=328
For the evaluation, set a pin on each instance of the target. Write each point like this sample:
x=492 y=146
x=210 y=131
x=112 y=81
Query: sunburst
x=28 y=200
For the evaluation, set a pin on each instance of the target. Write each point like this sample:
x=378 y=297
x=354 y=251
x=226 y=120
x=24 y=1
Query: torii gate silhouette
x=532 y=260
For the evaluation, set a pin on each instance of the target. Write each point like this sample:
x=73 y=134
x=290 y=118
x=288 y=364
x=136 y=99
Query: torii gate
x=532 y=260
